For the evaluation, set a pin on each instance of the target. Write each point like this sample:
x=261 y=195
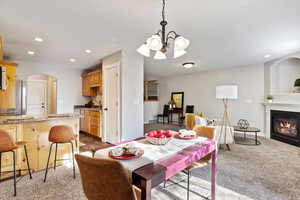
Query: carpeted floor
x=270 y=171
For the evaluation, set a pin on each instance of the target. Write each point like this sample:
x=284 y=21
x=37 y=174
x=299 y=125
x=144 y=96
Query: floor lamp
x=226 y=93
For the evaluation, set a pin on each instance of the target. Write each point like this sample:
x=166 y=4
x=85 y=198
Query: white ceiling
x=223 y=33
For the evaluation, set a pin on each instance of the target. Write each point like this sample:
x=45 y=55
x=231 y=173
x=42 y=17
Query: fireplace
x=285 y=126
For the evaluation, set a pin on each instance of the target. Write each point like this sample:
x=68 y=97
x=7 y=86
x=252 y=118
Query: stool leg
x=28 y=167
x=73 y=159
x=0 y=164
x=15 y=181
x=188 y=186
x=48 y=162
x=55 y=156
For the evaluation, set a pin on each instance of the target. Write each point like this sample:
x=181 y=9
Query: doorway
x=111 y=103
x=41 y=95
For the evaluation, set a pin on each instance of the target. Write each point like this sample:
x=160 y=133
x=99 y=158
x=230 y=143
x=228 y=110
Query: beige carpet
x=270 y=171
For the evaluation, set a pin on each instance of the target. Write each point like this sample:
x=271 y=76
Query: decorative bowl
x=159 y=137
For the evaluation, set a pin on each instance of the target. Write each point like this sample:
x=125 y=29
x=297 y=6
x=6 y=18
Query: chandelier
x=160 y=41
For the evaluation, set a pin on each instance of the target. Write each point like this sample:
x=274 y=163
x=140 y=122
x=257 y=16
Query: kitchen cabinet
x=36 y=134
x=8 y=96
x=92 y=83
x=91 y=122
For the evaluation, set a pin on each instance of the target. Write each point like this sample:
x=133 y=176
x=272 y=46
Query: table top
x=249 y=129
x=171 y=163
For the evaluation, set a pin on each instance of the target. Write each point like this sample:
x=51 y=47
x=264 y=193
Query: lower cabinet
x=91 y=123
x=35 y=135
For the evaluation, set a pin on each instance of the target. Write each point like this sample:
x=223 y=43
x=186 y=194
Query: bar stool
x=60 y=134
x=7 y=144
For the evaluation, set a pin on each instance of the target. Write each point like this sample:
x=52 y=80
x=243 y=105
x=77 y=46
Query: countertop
x=30 y=119
x=81 y=107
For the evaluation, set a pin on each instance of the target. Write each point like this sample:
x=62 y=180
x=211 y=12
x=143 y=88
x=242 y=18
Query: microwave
x=3 y=78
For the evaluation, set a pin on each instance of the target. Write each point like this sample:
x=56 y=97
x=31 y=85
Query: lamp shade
x=227 y=92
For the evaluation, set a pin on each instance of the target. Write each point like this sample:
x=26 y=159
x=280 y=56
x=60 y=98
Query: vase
x=270 y=100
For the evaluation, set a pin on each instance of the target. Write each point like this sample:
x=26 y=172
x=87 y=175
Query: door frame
x=46 y=94
x=118 y=67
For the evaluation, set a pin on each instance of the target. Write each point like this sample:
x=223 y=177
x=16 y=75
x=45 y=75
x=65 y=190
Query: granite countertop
x=29 y=119
x=82 y=107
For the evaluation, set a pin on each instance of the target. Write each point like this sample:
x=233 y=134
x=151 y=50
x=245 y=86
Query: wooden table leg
x=146 y=187
x=213 y=175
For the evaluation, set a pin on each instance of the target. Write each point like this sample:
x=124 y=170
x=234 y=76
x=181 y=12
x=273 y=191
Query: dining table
x=161 y=162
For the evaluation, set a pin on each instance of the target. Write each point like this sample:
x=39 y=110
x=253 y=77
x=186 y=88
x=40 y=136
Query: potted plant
x=270 y=98
x=297 y=86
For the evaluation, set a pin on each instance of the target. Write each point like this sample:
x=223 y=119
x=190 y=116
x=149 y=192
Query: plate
x=190 y=137
x=126 y=156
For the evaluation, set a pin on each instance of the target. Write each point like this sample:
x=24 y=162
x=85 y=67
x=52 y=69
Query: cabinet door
x=8 y=96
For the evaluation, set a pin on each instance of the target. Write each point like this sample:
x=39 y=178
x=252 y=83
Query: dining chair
x=164 y=115
x=105 y=179
x=7 y=144
x=188 y=109
x=202 y=131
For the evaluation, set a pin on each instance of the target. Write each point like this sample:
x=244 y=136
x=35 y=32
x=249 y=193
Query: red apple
x=160 y=132
x=162 y=136
x=168 y=133
x=151 y=134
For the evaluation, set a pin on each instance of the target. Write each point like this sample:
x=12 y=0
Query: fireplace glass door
x=285 y=126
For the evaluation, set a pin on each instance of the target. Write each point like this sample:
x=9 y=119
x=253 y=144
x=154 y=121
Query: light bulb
x=144 y=50
x=154 y=42
x=178 y=53
x=160 y=55
x=181 y=43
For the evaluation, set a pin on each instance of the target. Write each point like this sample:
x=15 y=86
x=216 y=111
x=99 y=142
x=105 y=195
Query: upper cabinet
x=8 y=95
x=92 y=83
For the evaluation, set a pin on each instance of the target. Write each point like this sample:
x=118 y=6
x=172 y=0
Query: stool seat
x=7 y=144
x=61 y=134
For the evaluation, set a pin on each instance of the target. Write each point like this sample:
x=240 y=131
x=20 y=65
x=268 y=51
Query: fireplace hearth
x=285 y=126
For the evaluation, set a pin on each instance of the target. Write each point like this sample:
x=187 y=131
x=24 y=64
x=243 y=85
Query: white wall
x=132 y=82
x=69 y=83
x=200 y=90
x=132 y=91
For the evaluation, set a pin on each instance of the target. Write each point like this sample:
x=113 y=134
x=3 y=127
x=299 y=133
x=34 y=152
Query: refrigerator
x=21 y=100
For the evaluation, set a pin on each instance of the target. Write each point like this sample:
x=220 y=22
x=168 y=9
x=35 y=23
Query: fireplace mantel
x=283 y=106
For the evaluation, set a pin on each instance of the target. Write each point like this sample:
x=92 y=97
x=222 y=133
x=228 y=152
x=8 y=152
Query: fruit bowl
x=160 y=137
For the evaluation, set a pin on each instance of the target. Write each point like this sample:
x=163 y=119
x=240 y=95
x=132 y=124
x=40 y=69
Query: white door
x=111 y=104
x=36 y=97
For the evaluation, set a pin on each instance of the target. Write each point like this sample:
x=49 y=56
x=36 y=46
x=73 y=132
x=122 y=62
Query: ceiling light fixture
x=159 y=41
x=38 y=39
x=88 y=51
x=30 y=52
x=188 y=65
x=267 y=56
x=72 y=60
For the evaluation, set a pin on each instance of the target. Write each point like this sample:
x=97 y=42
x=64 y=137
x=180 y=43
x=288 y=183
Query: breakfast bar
x=34 y=131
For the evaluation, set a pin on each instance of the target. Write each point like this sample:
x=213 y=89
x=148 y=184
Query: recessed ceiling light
x=267 y=56
x=88 y=51
x=30 y=52
x=72 y=60
x=38 y=39
x=188 y=65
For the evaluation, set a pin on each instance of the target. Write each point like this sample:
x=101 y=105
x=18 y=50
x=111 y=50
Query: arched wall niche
x=283 y=74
